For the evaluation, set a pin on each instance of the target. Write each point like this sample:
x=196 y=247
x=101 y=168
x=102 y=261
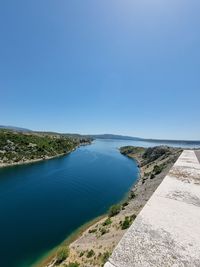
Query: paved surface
x=167 y=230
x=198 y=154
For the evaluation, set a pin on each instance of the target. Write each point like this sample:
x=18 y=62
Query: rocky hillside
x=154 y=163
x=17 y=147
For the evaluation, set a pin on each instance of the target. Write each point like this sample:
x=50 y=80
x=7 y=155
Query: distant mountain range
x=122 y=137
x=17 y=129
x=106 y=136
x=115 y=136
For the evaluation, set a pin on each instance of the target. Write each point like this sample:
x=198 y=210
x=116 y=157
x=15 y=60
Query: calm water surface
x=42 y=203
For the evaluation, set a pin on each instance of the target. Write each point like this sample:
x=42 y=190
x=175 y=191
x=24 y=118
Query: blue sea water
x=42 y=203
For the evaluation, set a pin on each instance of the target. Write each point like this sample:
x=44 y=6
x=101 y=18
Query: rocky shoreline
x=26 y=148
x=94 y=245
x=3 y=165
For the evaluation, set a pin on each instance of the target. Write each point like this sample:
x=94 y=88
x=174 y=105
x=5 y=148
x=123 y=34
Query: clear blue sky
x=101 y=66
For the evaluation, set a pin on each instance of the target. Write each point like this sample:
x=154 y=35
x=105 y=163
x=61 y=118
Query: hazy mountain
x=115 y=136
x=103 y=136
x=122 y=137
x=17 y=129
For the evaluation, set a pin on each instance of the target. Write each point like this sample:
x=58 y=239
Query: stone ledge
x=166 y=232
x=108 y=264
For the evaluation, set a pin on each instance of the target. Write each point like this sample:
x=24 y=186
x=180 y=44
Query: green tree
x=126 y=223
x=114 y=210
x=107 y=221
x=90 y=253
x=62 y=254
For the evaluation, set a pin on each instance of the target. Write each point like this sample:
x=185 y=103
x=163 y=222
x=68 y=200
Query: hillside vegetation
x=18 y=147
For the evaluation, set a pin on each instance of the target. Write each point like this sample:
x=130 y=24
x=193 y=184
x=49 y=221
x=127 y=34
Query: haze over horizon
x=90 y=67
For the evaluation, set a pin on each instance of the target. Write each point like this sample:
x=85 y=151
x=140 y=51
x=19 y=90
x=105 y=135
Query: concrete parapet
x=167 y=230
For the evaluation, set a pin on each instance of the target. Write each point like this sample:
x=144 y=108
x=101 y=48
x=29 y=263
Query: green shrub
x=81 y=254
x=103 y=231
x=157 y=169
x=90 y=253
x=62 y=254
x=152 y=176
x=127 y=221
x=114 y=210
x=92 y=230
x=107 y=221
x=132 y=195
x=125 y=204
x=73 y=264
x=105 y=257
x=132 y=217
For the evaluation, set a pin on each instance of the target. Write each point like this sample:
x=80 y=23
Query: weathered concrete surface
x=108 y=264
x=198 y=154
x=167 y=230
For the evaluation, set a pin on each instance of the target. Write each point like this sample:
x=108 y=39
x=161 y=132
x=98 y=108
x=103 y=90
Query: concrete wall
x=167 y=230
